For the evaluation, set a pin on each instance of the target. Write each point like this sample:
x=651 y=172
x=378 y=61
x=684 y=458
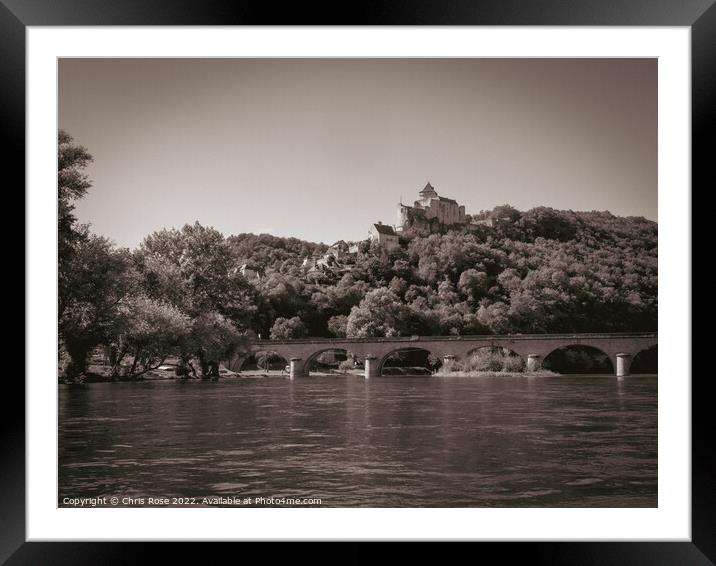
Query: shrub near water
x=346 y=365
x=513 y=364
x=486 y=361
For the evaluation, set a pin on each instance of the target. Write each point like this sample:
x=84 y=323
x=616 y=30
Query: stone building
x=310 y=262
x=385 y=235
x=489 y=221
x=430 y=212
x=248 y=273
x=340 y=251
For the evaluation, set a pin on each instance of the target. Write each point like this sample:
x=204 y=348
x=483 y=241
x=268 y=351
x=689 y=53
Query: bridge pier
x=448 y=359
x=623 y=364
x=534 y=362
x=371 y=366
x=296 y=370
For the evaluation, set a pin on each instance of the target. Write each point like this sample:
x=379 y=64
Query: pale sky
x=319 y=149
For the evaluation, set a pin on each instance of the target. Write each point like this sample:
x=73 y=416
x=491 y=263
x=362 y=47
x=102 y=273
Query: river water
x=566 y=441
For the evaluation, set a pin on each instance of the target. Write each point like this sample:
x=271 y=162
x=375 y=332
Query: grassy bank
x=102 y=373
x=99 y=371
x=472 y=373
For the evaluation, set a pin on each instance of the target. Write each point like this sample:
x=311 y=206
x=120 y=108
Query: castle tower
x=402 y=219
x=428 y=192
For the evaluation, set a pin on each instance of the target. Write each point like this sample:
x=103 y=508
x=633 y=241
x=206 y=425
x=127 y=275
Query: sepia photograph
x=357 y=282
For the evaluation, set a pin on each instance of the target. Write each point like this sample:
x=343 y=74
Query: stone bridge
x=620 y=347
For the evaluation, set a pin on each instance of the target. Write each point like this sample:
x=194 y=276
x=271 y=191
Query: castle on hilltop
x=430 y=214
x=431 y=208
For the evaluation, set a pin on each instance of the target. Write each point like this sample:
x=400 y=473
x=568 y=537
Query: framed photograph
x=397 y=277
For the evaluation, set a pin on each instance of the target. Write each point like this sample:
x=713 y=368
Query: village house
x=489 y=221
x=334 y=259
x=310 y=262
x=385 y=235
x=337 y=250
x=248 y=273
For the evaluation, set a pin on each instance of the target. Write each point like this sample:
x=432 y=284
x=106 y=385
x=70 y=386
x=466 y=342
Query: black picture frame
x=17 y=15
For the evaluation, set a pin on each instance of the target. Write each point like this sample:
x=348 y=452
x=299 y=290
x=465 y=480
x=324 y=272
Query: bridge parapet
x=462 y=338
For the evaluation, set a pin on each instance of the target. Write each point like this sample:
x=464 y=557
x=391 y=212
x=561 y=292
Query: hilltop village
x=429 y=214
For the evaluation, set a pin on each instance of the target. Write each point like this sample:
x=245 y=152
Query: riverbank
x=99 y=373
x=102 y=375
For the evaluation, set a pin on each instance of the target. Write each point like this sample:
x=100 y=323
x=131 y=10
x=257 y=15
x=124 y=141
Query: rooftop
x=428 y=189
x=384 y=229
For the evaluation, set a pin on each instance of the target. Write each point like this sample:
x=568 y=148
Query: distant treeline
x=182 y=294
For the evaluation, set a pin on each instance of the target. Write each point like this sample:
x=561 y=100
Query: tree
x=99 y=278
x=544 y=222
x=149 y=332
x=211 y=340
x=337 y=325
x=473 y=284
x=72 y=185
x=287 y=329
x=506 y=212
x=281 y=296
x=381 y=313
x=494 y=316
x=193 y=268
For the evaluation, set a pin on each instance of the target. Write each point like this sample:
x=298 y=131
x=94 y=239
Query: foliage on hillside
x=262 y=250
x=548 y=271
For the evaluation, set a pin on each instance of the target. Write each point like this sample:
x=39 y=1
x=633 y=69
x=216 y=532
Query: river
x=566 y=441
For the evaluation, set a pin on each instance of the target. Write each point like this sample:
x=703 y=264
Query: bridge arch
x=263 y=359
x=579 y=358
x=416 y=355
x=344 y=355
x=646 y=360
x=492 y=348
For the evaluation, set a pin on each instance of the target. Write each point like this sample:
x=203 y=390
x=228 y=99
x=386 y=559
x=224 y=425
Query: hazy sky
x=320 y=148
